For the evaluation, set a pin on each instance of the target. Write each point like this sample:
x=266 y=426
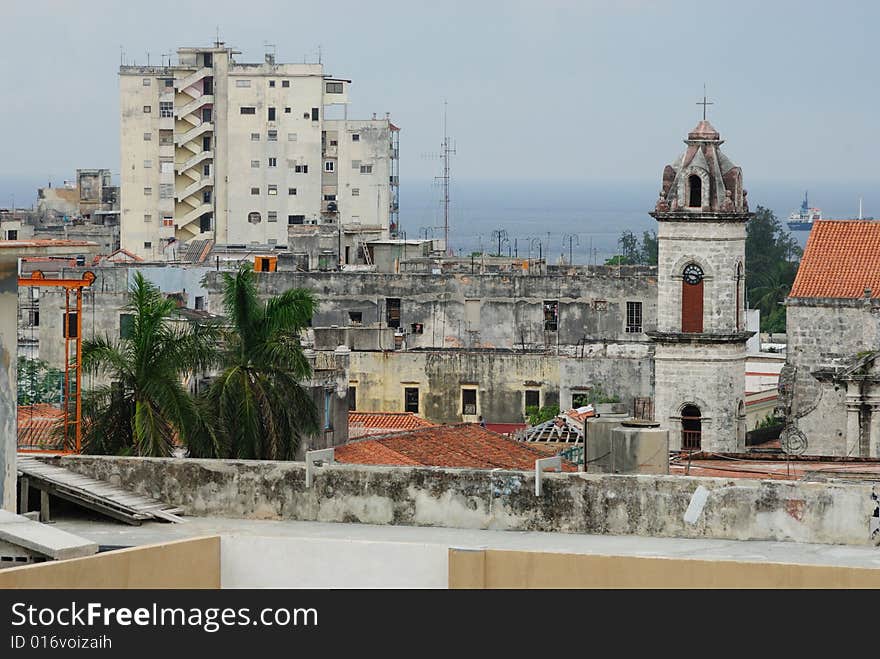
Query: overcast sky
x=547 y=91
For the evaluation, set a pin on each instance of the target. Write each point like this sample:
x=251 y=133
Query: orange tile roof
x=362 y=424
x=36 y=425
x=465 y=445
x=841 y=259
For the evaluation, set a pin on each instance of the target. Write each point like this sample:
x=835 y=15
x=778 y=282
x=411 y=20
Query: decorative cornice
x=699 y=338
x=700 y=216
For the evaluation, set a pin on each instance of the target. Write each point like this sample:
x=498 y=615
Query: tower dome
x=702 y=180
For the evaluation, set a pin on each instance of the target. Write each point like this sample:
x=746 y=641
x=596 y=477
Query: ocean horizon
x=551 y=218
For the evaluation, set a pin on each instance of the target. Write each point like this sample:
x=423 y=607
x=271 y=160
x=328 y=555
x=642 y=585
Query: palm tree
x=146 y=406
x=257 y=406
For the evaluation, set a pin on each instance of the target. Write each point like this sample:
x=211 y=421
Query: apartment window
x=167 y=221
x=291 y=137
x=314 y=114
x=271 y=83
x=301 y=169
x=148 y=164
x=469 y=401
x=166 y=190
x=305 y=115
x=200 y=302
x=206 y=114
x=148 y=245
x=291 y=191
x=255 y=163
x=355 y=317
x=285 y=83
x=411 y=399
x=328 y=420
x=146 y=82
x=329 y=166
x=255 y=191
x=392 y=311
x=334 y=87
x=166 y=109
x=272 y=216
x=633 y=316
x=166 y=137
x=148 y=192
x=271 y=114
x=532 y=398
x=254 y=217
x=273 y=189
x=296 y=219
x=551 y=315
x=148 y=109
x=329 y=197
x=206 y=196
x=148 y=137
x=286 y=110
x=355 y=192
x=242 y=83
x=148 y=217
x=272 y=136
x=169 y=82
x=417 y=328
x=366 y=169
x=334 y=143
x=352 y=397
x=206 y=169
x=355 y=137
x=126 y=323
x=206 y=143
x=255 y=137
x=273 y=162
x=208 y=59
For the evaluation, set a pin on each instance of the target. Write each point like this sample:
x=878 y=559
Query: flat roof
x=109 y=533
x=24 y=248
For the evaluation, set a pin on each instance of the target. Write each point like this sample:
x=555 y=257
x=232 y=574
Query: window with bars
x=166 y=109
x=411 y=399
x=392 y=311
x=551 y=315
x=633 y=316
x=469 y=401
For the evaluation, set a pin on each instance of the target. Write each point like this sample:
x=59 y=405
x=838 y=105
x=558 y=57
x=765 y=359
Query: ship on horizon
x=802 y=220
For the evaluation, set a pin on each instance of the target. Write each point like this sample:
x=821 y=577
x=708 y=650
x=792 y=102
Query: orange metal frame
x=72 y=429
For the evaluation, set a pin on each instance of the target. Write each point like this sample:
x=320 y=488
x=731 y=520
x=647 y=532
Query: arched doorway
x=691 y=428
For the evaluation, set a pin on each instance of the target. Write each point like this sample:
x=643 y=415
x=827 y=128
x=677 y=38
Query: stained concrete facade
x=835 y=412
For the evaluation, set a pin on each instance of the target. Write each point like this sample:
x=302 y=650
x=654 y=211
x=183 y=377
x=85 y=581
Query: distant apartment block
x=236 y=152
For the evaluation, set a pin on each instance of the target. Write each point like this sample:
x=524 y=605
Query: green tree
x=38 y=382
x=538 y=415
x=257 y=406
x=631 y=252
x=772 y=256
x=649 y=249
x=146 y=406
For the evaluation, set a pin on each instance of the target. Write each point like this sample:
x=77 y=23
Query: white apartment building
x=235 y=152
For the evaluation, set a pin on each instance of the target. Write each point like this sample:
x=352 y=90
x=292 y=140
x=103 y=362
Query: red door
x=692 y=307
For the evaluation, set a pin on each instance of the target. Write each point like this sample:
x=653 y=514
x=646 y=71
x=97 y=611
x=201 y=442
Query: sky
x=544 y=92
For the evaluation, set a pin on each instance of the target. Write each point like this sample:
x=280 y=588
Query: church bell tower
x=700 y=342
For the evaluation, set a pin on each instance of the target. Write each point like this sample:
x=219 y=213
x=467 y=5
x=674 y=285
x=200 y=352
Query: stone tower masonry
x=700 y=351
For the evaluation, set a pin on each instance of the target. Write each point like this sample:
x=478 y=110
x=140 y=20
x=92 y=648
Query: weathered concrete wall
x=481 y=311
x=823 y=333
x=574 y=503
x=8 y=379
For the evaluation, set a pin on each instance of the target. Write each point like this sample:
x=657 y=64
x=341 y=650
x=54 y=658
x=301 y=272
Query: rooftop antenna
x=121 y=55
x=860 y=208
x=217 y=41
x=704 y=102
x=319 y=53
x=446 y=150
x=267 y=45
x=148 y=58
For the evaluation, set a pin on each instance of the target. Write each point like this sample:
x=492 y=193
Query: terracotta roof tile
x=841 y=259
x=362 y=424
x=36 y=425
x=464 y=445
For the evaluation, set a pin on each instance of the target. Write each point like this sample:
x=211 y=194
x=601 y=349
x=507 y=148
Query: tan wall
x=523 y=569
x=183 y=564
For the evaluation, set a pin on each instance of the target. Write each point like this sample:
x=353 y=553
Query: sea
x=576 y=221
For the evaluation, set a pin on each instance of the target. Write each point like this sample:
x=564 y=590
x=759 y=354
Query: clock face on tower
x=693 y=274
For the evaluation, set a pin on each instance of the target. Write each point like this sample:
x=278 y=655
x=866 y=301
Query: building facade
x=233 y=152
x=700 y=355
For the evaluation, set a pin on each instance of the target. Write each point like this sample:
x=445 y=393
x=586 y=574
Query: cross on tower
x=704 y=102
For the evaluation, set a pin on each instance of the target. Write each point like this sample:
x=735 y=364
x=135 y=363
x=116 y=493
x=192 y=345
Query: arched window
x=695 y=191
x=740 y=426
x=692 y=298
x=691 y=428
x=739 y=296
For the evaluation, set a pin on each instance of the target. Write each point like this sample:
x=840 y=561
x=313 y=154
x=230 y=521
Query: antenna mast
x=446 y=150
